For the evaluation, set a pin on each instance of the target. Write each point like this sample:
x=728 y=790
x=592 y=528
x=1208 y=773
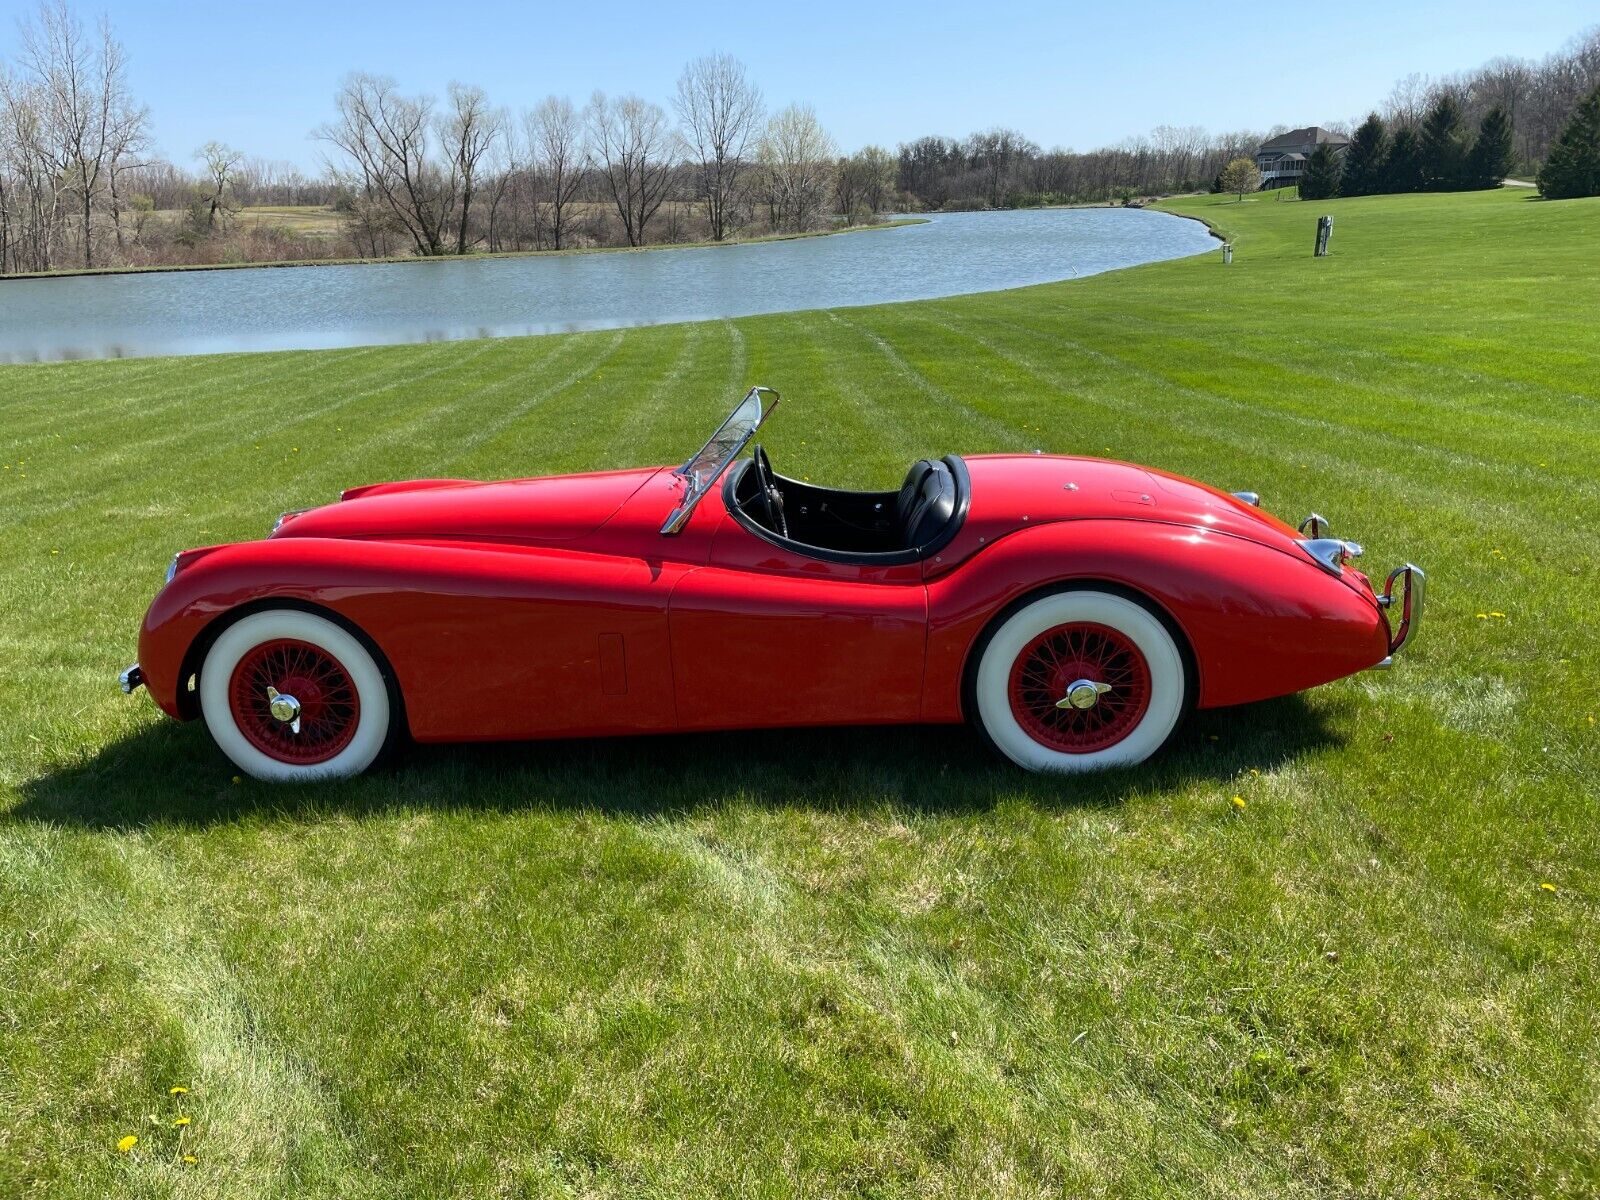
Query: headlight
x=184 y=559
x=1331 y=554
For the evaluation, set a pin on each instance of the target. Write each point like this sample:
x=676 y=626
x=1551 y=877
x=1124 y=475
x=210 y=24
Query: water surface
x=205 y=312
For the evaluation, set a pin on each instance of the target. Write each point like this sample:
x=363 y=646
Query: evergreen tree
x=1402 y=166
x=1490 y=160
x=1321 y=178
x=1444 y=153
x=1573 y=166
x=1362 y=174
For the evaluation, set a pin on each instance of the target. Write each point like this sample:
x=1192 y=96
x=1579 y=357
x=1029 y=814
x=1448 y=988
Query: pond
x=206 y=312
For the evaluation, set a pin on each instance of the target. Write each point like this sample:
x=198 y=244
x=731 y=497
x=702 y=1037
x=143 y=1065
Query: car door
x=763 y=636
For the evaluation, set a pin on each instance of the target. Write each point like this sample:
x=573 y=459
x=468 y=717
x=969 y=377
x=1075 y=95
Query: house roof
x=1313 y=135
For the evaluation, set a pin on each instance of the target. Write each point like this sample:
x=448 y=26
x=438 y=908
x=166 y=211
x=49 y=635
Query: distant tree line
x=81 y=185
x=1466 y=130
x=429 y=179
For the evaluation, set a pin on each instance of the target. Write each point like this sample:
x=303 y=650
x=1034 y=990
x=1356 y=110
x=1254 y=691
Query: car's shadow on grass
x=169 y=774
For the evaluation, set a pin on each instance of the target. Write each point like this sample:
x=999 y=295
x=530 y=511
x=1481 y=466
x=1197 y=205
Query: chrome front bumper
x=129 y=679
x=1414 y=582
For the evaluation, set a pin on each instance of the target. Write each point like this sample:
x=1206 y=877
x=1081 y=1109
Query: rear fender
x=1259 y=622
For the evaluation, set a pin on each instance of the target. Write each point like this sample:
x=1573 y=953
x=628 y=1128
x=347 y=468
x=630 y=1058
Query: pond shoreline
x=153 y=314
x=410 y=259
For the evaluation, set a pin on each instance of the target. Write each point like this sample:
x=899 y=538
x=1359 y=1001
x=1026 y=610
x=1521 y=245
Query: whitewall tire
x=290 y=696
x=1079 y=680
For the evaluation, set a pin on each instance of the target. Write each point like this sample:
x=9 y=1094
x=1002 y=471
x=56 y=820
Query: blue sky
x=261 y=76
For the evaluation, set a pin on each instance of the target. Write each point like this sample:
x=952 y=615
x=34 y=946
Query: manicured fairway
x=861 y=963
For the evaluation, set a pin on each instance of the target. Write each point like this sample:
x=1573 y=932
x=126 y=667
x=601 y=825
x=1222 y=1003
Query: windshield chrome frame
x=679 y=516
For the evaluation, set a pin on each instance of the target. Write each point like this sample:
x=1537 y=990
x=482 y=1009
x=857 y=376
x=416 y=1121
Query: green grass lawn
x=868 y=963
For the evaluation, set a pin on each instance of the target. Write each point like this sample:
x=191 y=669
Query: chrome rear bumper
x=1414 y=582
x=129 y=679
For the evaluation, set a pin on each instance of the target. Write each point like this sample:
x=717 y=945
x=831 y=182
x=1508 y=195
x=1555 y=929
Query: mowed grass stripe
x=1375 y=400
x=1379 y=469
x=265 y=1123
x=125 y=465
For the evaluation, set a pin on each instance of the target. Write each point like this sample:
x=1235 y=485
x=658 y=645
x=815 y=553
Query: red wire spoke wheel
x=293 y=696
x=1082 y=652
x=329 y=707
x=1078 y=680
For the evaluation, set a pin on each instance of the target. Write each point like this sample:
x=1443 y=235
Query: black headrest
x=911 y=489
x=932 y=503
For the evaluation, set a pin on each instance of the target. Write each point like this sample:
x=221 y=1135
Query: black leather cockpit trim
x=963 y=482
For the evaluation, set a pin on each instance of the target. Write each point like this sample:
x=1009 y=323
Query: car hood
x=1051 y=487
x=559 y=508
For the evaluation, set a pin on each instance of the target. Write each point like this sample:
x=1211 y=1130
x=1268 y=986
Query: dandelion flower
x=180 y=1090
x=236 y=779
x=181 y=1121
x=126 y=1144
x=1547 y=887
x=1238 y=801
x=190 y=1159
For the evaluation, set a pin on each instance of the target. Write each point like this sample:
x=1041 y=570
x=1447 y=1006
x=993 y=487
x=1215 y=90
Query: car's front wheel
x=290 y=696
x=1079 y=680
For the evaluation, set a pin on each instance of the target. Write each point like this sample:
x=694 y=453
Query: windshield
x=706 y=467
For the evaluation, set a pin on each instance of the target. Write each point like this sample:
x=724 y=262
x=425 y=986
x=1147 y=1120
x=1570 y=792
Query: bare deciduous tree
x=81 y=81
x=996 y=153
x=129 y=142
x=555 y=149
x=862 y=182
x=385 y=135
x=720 y=113
x=221 y=164
x=468 y=131
x=876 y=167
x=1407 y=101
x=796 y=157
x=633 y=149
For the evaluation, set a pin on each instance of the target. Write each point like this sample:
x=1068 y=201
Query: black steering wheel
x=771 y=498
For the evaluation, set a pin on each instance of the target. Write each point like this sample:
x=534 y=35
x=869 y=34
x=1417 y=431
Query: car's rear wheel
x=1079 y=680
x=289 y=696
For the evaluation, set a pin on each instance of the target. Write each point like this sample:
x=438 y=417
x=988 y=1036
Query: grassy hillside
x=871 y=962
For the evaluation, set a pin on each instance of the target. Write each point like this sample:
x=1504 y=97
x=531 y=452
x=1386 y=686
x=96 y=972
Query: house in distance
x=1282 y=160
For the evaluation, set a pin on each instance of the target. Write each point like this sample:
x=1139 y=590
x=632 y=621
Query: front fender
x=1260 y=622
x=483 y=640
x=225 y=580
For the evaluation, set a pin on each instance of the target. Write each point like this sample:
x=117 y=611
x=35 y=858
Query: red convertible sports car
x=1071 y=609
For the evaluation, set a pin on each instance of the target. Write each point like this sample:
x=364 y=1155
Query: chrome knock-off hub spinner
x=285 y=708
x=1083 y=693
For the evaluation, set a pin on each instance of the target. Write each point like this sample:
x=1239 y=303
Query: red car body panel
x=556 y=607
